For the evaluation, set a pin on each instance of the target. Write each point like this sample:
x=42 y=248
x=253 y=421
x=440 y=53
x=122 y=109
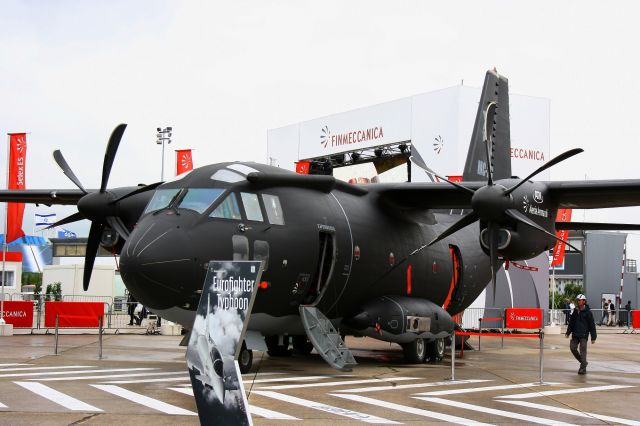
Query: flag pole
x=4 y=243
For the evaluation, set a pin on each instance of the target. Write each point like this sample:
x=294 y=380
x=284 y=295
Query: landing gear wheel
x=415 y=352
x=274 y=348
x=302 y=345
x=435 y=350
x=245 y=360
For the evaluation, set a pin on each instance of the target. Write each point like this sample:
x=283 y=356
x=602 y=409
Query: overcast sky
x=222 y=73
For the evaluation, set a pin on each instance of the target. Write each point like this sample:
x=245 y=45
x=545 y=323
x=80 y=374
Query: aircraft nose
x=159 y=267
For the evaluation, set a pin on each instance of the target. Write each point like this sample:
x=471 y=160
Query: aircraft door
x=326 y=258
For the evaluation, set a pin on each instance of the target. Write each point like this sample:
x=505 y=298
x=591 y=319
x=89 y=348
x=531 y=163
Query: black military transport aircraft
x=382 y=260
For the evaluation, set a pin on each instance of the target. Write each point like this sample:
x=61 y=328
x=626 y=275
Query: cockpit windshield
x=161 y=199
x=199 y=199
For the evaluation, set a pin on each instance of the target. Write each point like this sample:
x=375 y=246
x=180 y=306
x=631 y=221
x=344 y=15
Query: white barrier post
x=541 y=355
x=100 y=337
x=56 y=348
x=453 y=356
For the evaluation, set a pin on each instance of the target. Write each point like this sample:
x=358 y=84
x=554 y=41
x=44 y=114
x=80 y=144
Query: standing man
x=581 y=324
x=605 y=309
x=627 y=308
x=612 y=313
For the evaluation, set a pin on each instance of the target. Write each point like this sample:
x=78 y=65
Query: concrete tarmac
x=142 y=380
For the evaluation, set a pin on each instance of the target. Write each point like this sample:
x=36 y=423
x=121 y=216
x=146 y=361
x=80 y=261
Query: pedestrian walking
x=581 y=325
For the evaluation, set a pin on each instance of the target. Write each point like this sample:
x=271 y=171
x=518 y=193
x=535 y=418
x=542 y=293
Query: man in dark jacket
x=581 y=324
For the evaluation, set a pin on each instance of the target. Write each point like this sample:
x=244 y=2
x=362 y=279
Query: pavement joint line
x=410 y=386
x=351 y=414
x=259 y=411
x=58 y=397
x=145 y=400
x=484 y=389
x=572 y=412
x=338 y=383
x=50 y=373
x=410 y=410
x=109 y=376
x=54 y=367
x=493 y=411
x=564 y=391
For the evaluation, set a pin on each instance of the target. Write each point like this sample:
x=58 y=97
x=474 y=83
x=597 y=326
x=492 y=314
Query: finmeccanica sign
x=352 y=137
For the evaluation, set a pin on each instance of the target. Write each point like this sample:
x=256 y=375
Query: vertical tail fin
x=495 y=90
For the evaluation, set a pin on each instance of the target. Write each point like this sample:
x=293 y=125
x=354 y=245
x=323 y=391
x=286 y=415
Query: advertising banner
x=216 y=341
x=17 y=167
x=73 y=314
x=635 y=319
x=358 y=129
x=19 y=313
x=184 y=161
x=564 y=215
x=523 y=318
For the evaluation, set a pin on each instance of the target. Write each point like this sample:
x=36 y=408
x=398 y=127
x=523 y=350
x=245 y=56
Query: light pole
x=163 y=135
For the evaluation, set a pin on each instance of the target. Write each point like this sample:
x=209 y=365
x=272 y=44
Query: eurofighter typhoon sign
x=216 y=340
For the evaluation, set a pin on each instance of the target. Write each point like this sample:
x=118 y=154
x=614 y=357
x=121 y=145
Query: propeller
x=99 y=207
x=493 y=204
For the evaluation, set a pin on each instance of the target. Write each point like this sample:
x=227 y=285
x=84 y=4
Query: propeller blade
x=418 y=162
x=493 y=254
x=69 y=219
x=110 y=154
x=545 y=166
x=62 y=163
x=138 y=191
x=489 y=115
x=92 y=250
x=515 y=214
x=466 y=220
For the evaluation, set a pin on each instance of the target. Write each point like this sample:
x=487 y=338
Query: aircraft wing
x=440 y=195
x=42 y=196
x=595 y=194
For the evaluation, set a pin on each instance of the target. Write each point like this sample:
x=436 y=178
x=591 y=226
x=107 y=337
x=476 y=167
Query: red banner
x=73 y=314
x=524 y=318
x=635 y=319
x=20 y=314
x=17 y=167
x=564 y=215
x=184 y=161
x=302 y=167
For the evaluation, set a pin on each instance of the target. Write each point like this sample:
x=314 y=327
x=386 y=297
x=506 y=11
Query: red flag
x=302 y=167
x=17 y=168
x=184 y=161
x=564 y=215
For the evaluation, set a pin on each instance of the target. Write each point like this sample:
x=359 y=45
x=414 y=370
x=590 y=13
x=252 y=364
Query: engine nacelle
x=400 y=319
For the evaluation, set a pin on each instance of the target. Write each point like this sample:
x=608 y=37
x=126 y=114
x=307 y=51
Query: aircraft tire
x=245 y=360
x=302 y=345
x=435 y=350
x=415 y=352
x=274 y=349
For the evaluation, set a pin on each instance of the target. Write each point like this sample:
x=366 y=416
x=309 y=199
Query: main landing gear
x=421 y=350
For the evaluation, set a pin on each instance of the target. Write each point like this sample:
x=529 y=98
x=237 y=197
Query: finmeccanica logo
x=348 y=138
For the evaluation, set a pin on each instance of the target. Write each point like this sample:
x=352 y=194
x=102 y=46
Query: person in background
x=131 y=308
x=605 y=314
x=612 y=313
x=627 y=308
x=581 y=325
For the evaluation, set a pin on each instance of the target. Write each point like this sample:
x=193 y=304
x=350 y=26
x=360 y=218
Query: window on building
x=273 y=208
x=228 y=209
x=251 y=206
x=10 y=279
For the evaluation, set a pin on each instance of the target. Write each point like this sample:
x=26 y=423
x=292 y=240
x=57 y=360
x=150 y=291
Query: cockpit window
x=273 y=208
x=199 y=199
x=228 y=209
x=161 y=199
x=224 y=175
x=251 y=206
x=245 y=170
